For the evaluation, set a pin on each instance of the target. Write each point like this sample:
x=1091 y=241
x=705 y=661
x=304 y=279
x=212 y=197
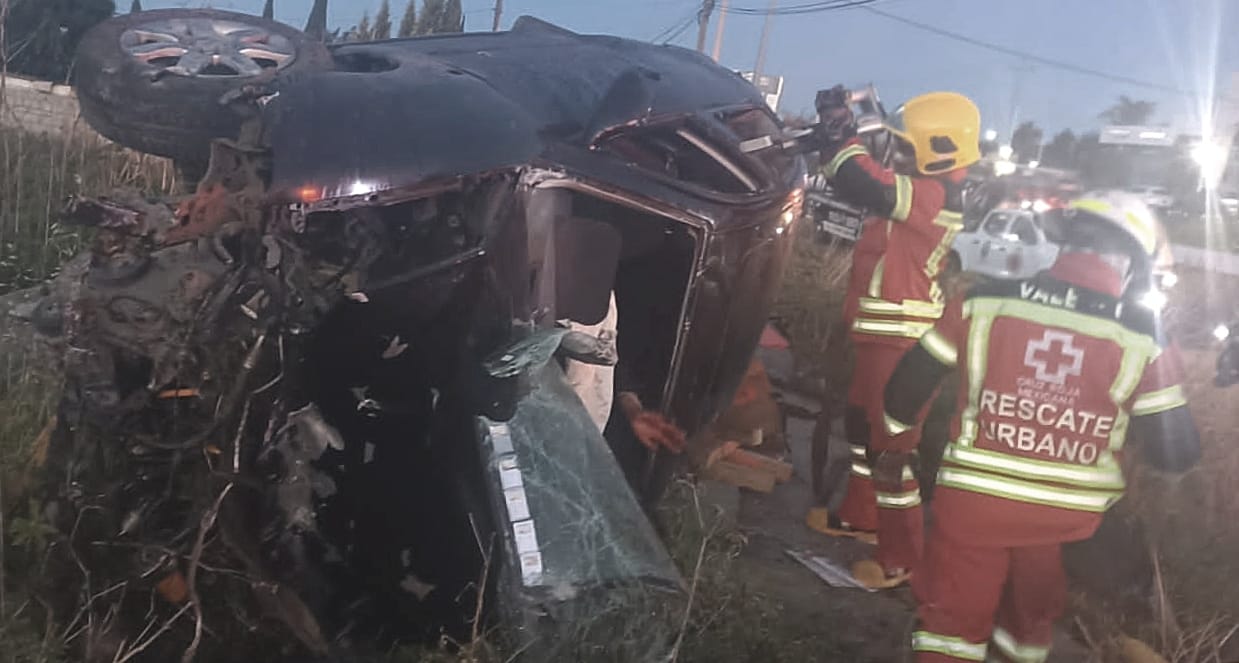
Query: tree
x=316 y=25
x=1026 y=142
x=382 y=22
x=454 y=21
x=268 y=10
x=430 y=16
x=439 y=16
x=408 y=23
x=1060 y=152
x=362 y=31
x=1129 y=111
x=135 y=7
x=41 y=36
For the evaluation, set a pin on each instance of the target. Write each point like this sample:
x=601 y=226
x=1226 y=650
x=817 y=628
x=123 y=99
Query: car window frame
x=1025 y=221
x=1006 y=216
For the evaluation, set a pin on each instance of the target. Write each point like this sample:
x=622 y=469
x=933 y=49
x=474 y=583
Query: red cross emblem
x=1053 y=357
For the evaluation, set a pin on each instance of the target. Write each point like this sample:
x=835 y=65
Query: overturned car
x=317 y=409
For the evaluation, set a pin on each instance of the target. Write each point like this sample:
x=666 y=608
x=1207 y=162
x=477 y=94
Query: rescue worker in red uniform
x=1057 y=372
x=893 y=295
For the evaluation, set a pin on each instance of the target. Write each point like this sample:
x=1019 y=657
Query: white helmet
x=1118 y=223
x=1121 y=211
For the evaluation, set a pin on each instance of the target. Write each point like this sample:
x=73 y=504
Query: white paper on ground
x=827 y=570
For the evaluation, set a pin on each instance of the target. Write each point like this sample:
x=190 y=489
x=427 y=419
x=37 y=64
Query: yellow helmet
x=943 y=128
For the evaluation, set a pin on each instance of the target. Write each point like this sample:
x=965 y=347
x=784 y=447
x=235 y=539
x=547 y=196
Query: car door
x=1022 y=242
x=1044 y=253
x=989 y=245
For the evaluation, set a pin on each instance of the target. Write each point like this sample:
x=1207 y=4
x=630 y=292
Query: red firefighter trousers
x=971 y=594
x=892 y=507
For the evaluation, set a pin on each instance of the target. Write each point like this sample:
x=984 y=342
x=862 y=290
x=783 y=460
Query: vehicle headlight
x=1221 y=332
x=1153 y=299
x=1040 y=206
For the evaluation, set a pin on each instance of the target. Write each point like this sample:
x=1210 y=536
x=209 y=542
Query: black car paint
x=426 y=113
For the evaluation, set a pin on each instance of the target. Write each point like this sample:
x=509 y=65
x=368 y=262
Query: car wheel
x=153 y=81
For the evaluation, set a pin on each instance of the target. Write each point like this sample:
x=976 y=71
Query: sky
x=1169 y=43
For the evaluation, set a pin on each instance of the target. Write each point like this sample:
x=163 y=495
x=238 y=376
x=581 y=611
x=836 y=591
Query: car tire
x=143 y=102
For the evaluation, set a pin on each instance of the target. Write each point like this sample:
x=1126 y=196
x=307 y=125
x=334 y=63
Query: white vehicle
x=1006 y=244
x=1155 y=197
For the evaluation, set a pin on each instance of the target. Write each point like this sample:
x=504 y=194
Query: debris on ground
x=826 y=569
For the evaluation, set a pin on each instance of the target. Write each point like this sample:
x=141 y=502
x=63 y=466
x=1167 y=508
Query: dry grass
x=26 y=401
x=809 y=307
x=37 y=174
x=729 y=619
x=1192 y=523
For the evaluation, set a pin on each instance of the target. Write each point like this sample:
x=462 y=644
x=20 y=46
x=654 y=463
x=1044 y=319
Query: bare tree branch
x=208 y=522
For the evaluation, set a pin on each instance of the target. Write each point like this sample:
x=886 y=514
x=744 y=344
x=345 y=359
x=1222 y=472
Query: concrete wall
x=39 y=107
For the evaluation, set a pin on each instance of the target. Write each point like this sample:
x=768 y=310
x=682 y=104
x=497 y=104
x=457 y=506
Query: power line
x=998 y=48
x=804 y=8
x=676 y=29
x=679 y=31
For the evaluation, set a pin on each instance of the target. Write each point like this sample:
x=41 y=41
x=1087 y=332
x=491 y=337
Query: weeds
x=26 y=402
x=37 y=174
x=1190 y=522
x=809 y=307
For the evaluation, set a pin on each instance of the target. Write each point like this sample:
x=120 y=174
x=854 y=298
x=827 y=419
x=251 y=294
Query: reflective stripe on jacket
x=1051 y=375
x=893 y=293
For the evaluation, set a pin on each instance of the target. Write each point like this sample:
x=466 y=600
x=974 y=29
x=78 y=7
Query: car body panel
x=461 y=105
x=1006 y=243
x=541 y=102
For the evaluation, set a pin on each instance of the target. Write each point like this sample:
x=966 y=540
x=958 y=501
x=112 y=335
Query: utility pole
x=718 y=29
x=703 y=23
x=498 y=15
x=765 y=36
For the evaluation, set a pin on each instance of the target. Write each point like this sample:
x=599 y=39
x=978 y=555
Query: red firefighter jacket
x=1055 y=371
x=893 y=295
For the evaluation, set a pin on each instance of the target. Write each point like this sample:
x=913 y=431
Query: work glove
x=835 y=120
